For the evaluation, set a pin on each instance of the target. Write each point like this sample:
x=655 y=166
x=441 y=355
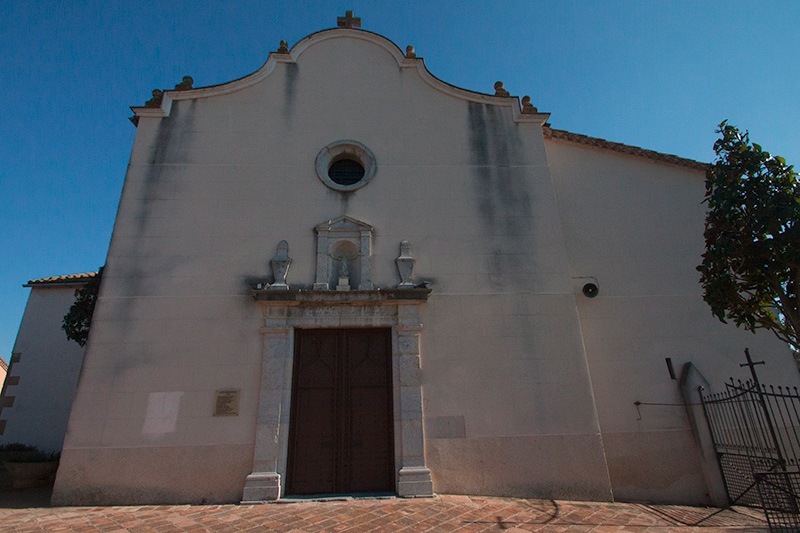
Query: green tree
x=751 y=267
x=79 y=318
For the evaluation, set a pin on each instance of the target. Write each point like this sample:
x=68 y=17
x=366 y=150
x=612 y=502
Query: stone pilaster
x=414 y=478
x=272 y=425
x=321 y=280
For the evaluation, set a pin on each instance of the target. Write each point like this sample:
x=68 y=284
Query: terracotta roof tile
x=60 y=280
x=577 y=138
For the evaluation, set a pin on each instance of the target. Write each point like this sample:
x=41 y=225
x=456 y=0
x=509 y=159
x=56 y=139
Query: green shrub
x=16 y=447
x=35 y=456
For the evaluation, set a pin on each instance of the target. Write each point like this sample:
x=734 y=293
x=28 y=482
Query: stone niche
x=343 y=255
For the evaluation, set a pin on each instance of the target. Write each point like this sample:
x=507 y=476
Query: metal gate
x=756 y=434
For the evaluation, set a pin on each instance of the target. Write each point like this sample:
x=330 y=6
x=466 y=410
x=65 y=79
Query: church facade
x=340 y=274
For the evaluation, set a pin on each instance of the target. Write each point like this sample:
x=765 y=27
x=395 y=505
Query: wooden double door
x=340 y=436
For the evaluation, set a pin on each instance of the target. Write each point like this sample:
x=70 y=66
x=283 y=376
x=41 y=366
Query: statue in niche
x=344 y=276
x=405 y=266
x=280 y=267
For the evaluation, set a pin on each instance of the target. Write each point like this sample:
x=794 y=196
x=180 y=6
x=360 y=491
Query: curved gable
x=330 y=36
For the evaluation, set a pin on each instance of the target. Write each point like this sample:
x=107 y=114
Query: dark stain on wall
x=504 y=196
x=344 y=201
x=171 y=145
x=290 y=88
x=481 y=161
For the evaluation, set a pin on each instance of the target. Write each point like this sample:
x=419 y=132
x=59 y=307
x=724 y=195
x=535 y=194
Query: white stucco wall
x=47 y=365
x=637 y=227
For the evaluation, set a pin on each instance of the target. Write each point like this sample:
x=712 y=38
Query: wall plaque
x=227 y=403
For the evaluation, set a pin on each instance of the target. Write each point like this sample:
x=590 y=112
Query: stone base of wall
x=656 y=466
x=565 y=467
x=158 y=475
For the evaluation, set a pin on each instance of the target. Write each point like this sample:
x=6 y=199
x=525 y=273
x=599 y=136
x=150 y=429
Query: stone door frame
x=284 y=311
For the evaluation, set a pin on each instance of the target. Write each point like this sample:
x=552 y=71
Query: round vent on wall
x=345 y=165
x=590 y=290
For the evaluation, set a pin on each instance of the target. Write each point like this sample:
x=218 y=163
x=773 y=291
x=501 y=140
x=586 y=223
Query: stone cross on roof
x=348 y=20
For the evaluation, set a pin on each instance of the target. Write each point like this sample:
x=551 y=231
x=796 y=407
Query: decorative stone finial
x=186 y=84
x=348 y=20
x=283 y=48
x=527 y=107
x=405 y=266
x=499 y=90
x=155 y=101
x=280 y=267
x=410 y=51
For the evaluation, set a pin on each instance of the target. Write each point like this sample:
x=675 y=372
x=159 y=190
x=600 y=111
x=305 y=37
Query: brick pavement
x=442 y=513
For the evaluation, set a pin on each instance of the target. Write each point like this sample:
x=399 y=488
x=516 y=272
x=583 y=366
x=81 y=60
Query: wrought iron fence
x=779 y=492
x=756 y=434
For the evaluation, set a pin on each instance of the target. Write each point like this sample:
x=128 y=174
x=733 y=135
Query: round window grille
x=345 y=165
x=346 y=172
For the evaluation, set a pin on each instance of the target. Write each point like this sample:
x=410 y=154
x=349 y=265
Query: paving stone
x=443 y=513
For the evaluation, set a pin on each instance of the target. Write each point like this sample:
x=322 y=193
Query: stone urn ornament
x=280 y=267
x=405 y=266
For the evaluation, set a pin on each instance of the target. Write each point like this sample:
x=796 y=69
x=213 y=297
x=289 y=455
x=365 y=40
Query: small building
x=43 y=373
x=340 y=274
x=3 y=371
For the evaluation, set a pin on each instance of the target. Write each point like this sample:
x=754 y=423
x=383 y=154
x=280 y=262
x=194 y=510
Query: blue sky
x=656 y=74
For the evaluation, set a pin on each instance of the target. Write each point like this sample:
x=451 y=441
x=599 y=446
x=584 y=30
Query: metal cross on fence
x=767 y=413
x=348 y=20
x=752 y=366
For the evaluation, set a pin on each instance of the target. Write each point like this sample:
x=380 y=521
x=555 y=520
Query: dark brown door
x=340 y=438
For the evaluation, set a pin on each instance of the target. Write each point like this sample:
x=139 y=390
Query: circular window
x=346 y=172
x=345 y=165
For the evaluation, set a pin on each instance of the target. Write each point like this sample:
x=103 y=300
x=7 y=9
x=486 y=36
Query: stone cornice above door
x=328 y=297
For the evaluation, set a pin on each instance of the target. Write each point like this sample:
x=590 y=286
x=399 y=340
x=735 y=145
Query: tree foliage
x=751 y=267
x=79 y=318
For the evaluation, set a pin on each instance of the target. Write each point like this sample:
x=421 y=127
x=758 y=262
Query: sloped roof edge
x=291 y=56
x=595 y=142
x=69 y=279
